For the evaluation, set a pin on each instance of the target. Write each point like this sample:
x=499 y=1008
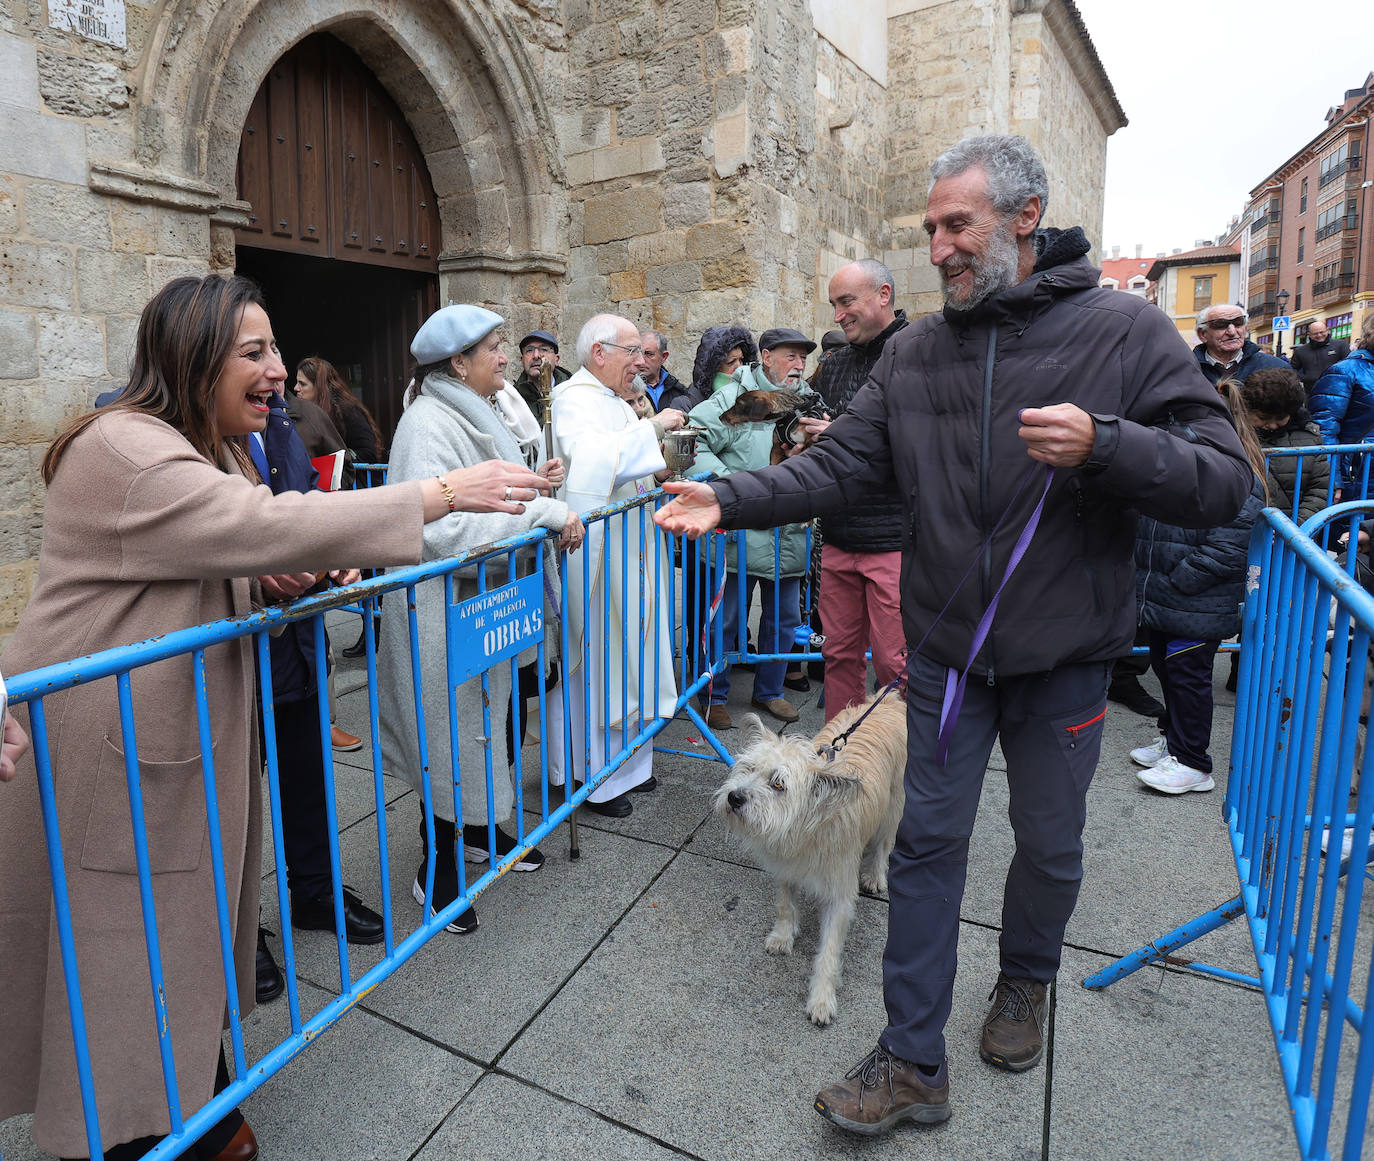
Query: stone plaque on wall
x=101 y=20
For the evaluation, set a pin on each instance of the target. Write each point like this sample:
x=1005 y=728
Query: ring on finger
x=508 y=492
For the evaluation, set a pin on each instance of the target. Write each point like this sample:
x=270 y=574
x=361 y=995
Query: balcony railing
x=1349 y=222
x=1336 y=172
x=1262 y=221
x=1268 y=263
x=1259 y=308
x=1332 y=285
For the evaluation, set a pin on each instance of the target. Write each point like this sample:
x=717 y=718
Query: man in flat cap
x=611 y=455
x=536 y=349
x=743 y=424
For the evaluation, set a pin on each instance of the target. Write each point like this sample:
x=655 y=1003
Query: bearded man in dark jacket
x=1023 y=428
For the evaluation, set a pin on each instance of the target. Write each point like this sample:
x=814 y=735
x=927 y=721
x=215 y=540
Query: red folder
x=330 y=468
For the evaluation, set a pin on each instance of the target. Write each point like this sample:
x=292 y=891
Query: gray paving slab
x=701 y=1040
x=517 y=1122
x=15 y=1142
x=474 y=992
x=1163 y=1064
x=363 y=1089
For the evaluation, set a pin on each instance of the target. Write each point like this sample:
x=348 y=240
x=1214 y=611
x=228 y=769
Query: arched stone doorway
x=464 y=81
x=344 y=229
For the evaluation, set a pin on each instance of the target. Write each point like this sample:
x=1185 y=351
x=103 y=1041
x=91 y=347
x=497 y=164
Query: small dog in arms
x=820 y=825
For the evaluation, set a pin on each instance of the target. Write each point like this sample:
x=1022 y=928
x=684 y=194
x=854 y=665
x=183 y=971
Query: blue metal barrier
x=471 y=651
x=1299 y=809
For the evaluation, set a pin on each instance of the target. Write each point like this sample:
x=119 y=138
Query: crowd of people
x=1038 y=425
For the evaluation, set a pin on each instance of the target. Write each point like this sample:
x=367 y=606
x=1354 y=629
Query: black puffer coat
x=716 y=343
x=875 y=526
x=939 y=420
x=1190 y=582
x=1299 y=431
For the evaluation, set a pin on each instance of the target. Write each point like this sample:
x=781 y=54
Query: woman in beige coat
x=154 y=521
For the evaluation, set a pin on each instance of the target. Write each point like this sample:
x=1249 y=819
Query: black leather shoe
x=271 y=983
x=361 y=923
x=801 y=683
x=1128 y=691
x=359 y=647
x=618 y=807
x=650 y=783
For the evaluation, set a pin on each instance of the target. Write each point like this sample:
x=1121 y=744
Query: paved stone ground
x=622 y=1006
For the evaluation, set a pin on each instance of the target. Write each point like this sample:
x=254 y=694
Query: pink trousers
x=860 y=609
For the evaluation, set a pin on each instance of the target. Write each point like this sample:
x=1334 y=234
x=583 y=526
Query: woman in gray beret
x=453 y=419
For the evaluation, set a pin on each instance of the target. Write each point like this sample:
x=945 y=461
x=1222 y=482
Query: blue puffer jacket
x=1190 y=581
x=1342 y=402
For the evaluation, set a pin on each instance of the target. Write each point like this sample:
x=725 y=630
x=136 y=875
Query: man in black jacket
x=861 y=555
x=1024 y=427
x=1312 y=358
x=1224 y=349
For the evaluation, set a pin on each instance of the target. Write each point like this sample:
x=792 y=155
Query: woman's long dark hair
x=185 y=335
x=333 y=394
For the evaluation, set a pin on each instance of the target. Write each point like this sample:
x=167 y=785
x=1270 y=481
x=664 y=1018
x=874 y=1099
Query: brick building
x=1307 y=232
x=686 y=162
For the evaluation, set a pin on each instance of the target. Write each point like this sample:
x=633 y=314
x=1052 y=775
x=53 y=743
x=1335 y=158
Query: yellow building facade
x=1193 y=280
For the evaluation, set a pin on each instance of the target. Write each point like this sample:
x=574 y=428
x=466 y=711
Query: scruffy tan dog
x=824 y=827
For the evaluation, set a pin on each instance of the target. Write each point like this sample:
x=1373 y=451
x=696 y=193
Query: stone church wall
x=684 y=162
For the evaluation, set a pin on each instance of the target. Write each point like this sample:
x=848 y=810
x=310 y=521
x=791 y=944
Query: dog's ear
x=752 y=729
x=836 y=785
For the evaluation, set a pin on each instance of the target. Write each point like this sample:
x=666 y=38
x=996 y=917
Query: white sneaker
x=1170 y=776
x=1151 y=755
x=1347 y=841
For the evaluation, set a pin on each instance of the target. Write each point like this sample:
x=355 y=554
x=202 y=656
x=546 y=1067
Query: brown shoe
x=342 y=740
x=779 y=707
x=243 y=1146
x=1014 y=1031
x=882 y=1090
x=718 y=718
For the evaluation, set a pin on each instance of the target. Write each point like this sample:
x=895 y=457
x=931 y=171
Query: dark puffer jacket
x=716 y=343
x=1299 y=431
x=1190 y=582
x=676 y=394
x=939 y=419
x=875 y=525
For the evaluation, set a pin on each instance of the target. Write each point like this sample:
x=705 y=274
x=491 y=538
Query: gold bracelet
x=449 y=498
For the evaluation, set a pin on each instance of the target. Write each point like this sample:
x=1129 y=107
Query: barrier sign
x=488 y=628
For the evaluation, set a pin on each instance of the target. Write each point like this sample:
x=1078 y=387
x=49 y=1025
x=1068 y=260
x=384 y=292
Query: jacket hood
x=716 y=343
x=1061 y=267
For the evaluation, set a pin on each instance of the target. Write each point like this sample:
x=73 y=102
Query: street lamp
x=1282 y=299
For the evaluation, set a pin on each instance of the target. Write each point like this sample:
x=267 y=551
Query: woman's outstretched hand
x=695 y=511
x=491 y=486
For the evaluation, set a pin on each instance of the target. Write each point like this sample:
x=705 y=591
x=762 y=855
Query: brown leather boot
x=1014 y=1031
x=882 y=1090
x=243 y=1146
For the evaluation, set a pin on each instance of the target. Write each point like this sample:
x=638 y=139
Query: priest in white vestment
x=623 y=571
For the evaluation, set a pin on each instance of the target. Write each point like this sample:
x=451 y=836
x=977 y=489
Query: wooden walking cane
x=546 y=415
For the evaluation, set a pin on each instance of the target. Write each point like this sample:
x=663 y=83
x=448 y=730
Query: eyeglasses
x=538 y=349
x=634 y=352
x=1221 y=324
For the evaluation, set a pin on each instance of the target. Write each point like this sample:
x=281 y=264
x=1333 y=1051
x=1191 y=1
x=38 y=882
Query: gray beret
x=451 y=331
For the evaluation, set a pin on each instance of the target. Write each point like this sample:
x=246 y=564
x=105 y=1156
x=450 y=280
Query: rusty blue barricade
x=1299 y=809
x=493 y=602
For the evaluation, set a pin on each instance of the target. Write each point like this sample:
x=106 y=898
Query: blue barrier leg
x=1165 y=945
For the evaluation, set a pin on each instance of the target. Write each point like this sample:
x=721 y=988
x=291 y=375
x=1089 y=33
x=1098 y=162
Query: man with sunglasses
x=1226 y=351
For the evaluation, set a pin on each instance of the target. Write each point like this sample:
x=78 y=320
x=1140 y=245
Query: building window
x=1339 y=326
x=1108 y=283
x=1302 y=204
x=1302 y=238
x=1202 y=292
x=1297 y=296
x=1139 y=282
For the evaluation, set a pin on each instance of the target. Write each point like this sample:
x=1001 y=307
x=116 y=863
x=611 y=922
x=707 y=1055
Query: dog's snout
x=736 y=799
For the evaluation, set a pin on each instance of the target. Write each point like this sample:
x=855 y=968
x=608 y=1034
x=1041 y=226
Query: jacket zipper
x=984 y=484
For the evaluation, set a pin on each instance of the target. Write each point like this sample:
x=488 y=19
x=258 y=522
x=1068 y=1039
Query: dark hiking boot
x=1014 y=1031
x=882 y=1090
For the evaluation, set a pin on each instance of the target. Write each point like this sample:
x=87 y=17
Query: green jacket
x=724 y=448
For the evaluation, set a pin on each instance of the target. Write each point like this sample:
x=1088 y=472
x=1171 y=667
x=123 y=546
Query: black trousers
x=304 y=822
x=1050 y=727
x=1133 y=665
x=1184 y=669
x=208 y=1146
